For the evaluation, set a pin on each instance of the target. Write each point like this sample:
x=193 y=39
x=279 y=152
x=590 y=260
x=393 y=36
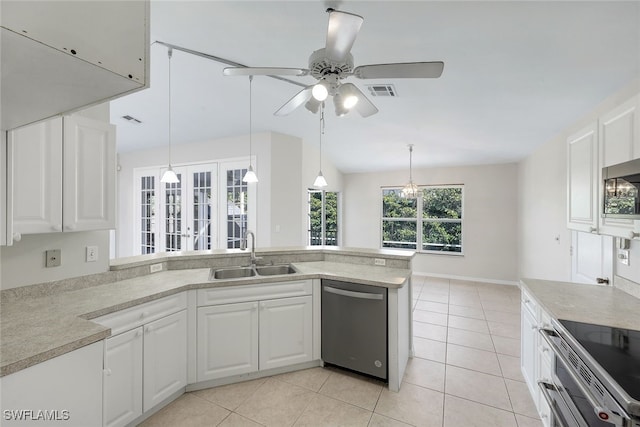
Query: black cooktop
x=616 y=350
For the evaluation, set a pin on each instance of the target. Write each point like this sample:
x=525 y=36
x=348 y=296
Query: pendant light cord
x=250 y=121
x=170 y=54
x=321 y=131
x=411 y=163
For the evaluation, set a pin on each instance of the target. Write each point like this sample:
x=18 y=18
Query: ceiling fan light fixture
x=320 y=92
x=338 y=103
x=348 y=95
x=313 y=105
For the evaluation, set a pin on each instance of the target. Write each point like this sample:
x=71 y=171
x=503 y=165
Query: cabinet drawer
x=529 y=303
x=233 y=294
x=133 y=317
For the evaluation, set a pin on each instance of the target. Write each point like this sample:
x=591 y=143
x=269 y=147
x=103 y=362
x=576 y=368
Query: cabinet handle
x=17 y=237
x=70 y=227
x=633 y=235
x=534 y=327
x=149 y=329
x=56 y=227
x=138 y=333
x=144 y=314
x=107 y=372
x=592 y=229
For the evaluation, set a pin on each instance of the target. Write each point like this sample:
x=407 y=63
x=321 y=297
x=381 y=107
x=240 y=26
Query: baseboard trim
x=471 y=279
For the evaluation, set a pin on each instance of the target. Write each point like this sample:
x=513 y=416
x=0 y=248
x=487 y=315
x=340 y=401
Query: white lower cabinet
x=123 y=378
x=536 y=357
x=227 y=340
x=146 y=362
x=256 y=334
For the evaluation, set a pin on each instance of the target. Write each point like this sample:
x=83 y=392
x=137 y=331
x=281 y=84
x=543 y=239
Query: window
x=323 y=218
x=431 y=223
x=147 y=214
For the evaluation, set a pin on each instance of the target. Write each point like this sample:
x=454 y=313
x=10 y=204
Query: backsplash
x=632 y=288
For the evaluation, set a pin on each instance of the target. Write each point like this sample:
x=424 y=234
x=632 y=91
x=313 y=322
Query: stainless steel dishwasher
x=354 y=327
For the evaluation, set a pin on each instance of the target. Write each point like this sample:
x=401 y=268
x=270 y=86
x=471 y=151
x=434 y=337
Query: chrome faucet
x=243 y=246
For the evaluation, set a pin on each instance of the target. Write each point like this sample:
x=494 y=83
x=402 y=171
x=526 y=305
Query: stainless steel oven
x=576 y=395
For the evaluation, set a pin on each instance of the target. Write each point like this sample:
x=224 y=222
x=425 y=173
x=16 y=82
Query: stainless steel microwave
x=622 y=190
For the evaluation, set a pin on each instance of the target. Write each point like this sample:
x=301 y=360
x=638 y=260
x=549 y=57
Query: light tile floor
x=466 y=373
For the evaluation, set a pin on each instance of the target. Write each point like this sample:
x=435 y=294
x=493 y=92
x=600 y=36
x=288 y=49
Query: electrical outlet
x=92 y=253
x=623 y=256
x=154 y=268
x=380 y=261
x=53 y=258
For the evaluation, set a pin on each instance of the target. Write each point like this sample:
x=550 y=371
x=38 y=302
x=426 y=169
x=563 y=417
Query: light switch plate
x=53 y=258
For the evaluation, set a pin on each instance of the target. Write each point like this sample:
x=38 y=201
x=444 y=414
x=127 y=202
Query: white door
x=165 y=358
x=34 y=172
x=582 y=180
x=239 y=212
x=286 y=332
x=227 y=340
x=122 y=397
x=188 y=209
x=89 y=174
x=591 y=257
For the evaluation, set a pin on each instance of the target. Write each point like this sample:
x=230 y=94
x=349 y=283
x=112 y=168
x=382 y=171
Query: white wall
x=286 y=195
x=489 y=224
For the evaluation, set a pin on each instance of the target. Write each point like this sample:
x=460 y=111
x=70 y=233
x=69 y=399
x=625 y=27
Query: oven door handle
x=602 y=413
x=544 y=388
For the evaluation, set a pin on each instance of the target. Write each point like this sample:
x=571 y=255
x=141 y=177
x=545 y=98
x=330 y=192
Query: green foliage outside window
x=315 y=218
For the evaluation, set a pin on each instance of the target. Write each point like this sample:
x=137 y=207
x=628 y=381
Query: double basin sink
x=244 y=272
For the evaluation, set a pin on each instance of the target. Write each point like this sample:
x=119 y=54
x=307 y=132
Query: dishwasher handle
x=353 y=294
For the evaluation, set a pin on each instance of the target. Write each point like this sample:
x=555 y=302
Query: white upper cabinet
x=59 y=56
x=89 y=173
x=582 y=180
x=60 y=177
x=619 y=141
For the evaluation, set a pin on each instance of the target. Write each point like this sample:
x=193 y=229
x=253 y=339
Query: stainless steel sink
x=272 y=270
x=244 y=272
x=232 y=273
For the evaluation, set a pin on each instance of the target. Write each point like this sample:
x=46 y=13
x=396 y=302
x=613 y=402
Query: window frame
x=419 y=220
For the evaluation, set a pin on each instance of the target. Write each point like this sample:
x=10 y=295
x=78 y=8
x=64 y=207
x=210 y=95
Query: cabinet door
x=89 y=166
x=123 y=378
x=582 y=180
x=529 y=350
x=227 y=340
x=286 y=332
x=34 y=170
x=165 y=358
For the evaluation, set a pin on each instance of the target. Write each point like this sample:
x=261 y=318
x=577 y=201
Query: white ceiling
x=516 y=74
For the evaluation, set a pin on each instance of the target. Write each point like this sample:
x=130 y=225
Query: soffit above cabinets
x=59 y=56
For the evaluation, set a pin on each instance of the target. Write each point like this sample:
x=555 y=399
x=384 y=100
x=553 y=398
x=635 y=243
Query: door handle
x=353 y=294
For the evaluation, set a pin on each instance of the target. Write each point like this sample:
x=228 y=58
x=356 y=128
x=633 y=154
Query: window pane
x=442 y=236
x=394 y=206
x=442 y=203
x=147 y=214
x=202 y=234
x=399 y=234
x=236 y=207
x=331 y=218
x=315 y=218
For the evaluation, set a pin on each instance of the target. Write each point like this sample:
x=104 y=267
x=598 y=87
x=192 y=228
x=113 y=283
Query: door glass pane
x=202 y=210
x=147 y=215
x=173 y=215
x=236 y=207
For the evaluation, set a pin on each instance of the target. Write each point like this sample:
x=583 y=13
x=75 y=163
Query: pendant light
x=250 y=176
x=169 y=177
x=410 y=191
x=320 y=181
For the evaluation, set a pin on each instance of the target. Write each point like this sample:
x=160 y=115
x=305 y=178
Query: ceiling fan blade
x=364 y=107
x=341 y=33
x=298 y=99
x=401 y=70
x=264 y=71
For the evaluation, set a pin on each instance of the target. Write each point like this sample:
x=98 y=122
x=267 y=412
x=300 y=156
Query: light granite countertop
x=602 y=305
x=35 y=329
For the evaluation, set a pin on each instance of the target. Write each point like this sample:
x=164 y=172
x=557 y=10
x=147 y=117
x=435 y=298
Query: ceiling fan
x=334 y=63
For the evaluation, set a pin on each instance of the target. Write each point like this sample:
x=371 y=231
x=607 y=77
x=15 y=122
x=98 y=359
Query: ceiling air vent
x=382 y=90
x=131 y=119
